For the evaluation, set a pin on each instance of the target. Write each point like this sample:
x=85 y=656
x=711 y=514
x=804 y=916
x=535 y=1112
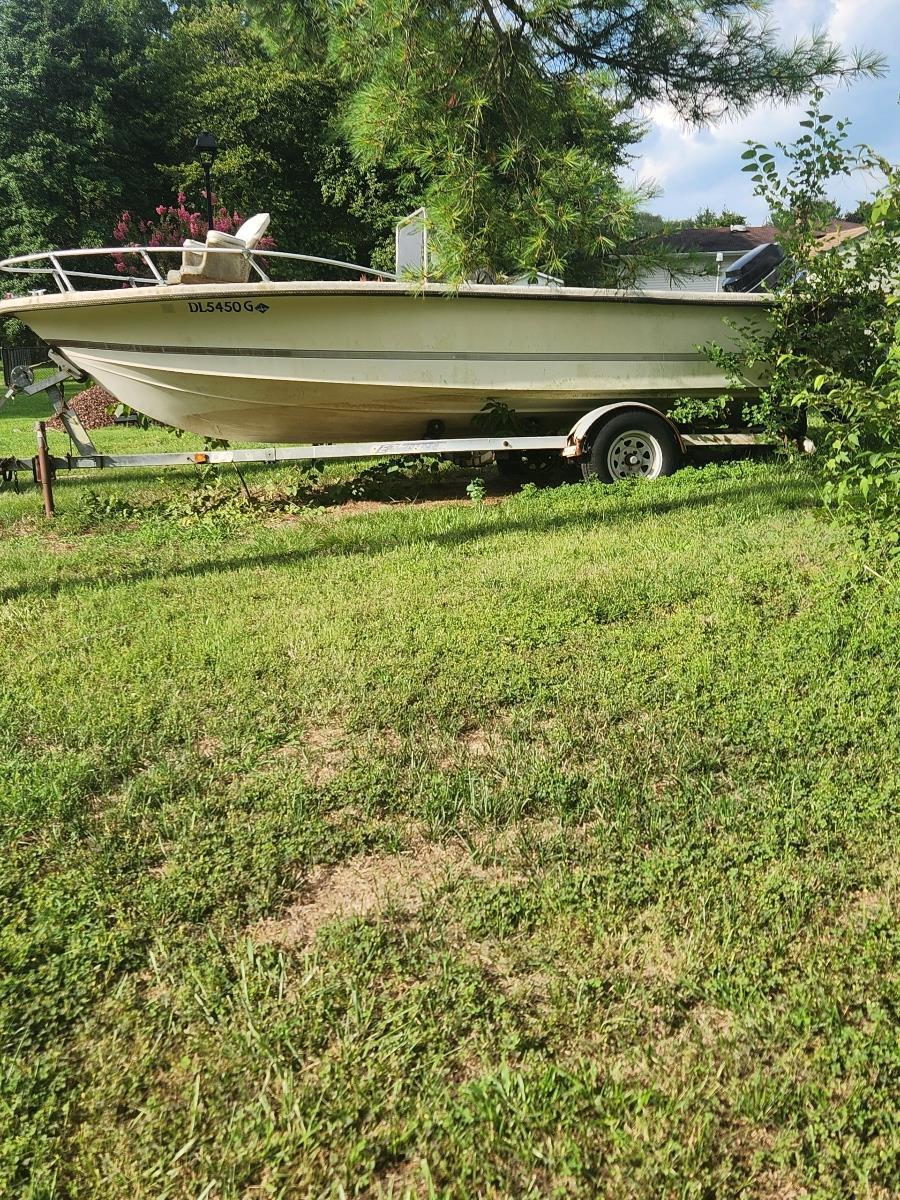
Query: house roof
x=836 y=237
x=740 y=240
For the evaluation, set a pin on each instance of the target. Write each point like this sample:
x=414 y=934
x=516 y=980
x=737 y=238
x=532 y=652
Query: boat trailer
x=44 y=466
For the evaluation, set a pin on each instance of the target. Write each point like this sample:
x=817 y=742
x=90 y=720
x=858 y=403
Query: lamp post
x=207 y=148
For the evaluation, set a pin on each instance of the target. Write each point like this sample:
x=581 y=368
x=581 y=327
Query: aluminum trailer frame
x=338 y=450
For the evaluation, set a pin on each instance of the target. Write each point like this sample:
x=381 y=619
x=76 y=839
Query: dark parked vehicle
x=752 y=268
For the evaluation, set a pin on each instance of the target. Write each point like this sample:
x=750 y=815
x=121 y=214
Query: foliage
x=94 y=120
x=497 y=417
x=386 y=479
x=172 y=224
x=863 y=444
x=81 y=125
x=518 y=116
x=279 y=152
x=701 y=411
x=14 y=332
x=520 y=174
x=510 y=122
x=708 y=218
x=861 y=213
x=476 y=490
x=832 y=349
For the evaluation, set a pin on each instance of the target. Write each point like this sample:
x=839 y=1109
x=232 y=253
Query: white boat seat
x=201 y=264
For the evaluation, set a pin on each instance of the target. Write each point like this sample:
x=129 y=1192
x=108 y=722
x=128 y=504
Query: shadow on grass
x=350 y=539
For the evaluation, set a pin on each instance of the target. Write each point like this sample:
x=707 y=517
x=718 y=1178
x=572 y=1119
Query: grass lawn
x=541 y=847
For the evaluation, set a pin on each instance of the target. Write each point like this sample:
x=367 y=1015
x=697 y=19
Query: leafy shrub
x=95 y=507
x=832 y=353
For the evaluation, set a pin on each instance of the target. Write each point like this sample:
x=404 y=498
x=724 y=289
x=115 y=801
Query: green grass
x=18 y=416
x=545 y=847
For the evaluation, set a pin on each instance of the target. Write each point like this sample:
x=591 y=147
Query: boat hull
x=322 y=362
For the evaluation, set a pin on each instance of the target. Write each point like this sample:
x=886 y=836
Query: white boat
x=256 y=360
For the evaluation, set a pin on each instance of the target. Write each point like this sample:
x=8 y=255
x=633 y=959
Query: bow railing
x=56 y=264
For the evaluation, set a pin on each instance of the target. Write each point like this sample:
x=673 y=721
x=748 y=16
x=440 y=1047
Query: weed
x=475 y=490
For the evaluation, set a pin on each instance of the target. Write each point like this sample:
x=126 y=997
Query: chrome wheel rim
x=635 y=453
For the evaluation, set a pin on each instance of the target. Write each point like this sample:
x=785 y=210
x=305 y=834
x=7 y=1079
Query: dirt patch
x=288 y=753
x=475 y=742
x=406 y=1181
x=389 y=741
x=324 y=751
x=712 y=1024
x=209 y=747
x=325 y=738
x=871 y=903
x=367 y=884
x=883 y=899
x=756 y=1146
x=651 y=952
x=58 y=545
x=348 y=816
x=328 y=751
x=518 y=980
x=776 y=1185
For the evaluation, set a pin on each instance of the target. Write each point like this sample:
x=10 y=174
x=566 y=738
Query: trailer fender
x=582 y=432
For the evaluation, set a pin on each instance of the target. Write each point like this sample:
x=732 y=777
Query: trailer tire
x=632 y=445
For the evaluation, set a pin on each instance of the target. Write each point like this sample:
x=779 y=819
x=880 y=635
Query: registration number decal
x=226 y=306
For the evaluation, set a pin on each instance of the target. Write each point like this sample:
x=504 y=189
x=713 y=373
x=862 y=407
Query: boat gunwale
x=369 y=289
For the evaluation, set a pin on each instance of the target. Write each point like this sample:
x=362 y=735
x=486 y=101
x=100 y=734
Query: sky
x=693 y=169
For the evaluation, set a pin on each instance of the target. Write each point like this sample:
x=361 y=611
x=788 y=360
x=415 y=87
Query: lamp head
x=206 y=147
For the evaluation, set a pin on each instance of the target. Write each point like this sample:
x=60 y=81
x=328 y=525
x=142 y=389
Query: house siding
x=702 y=281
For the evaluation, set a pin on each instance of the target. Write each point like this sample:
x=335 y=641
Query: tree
x=517 y=114
x=279 y=151
x=100 y=102
x=862 y=213
x=707 y=218
x=80 y=117
x=823 y=211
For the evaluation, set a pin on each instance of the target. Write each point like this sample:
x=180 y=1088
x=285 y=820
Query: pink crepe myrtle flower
x=172 y=224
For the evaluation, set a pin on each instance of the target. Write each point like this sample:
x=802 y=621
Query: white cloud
x=872 y=22
x=695 y=168
x=796 y=18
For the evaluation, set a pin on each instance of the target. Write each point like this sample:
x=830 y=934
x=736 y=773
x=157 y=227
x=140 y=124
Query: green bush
x=832 y=353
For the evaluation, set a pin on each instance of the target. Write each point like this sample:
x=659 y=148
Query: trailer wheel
x=632 y=445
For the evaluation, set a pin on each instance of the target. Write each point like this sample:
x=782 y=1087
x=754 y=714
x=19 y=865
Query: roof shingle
x=738 y=241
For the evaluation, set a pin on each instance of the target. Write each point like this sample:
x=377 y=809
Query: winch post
x=44 y=472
